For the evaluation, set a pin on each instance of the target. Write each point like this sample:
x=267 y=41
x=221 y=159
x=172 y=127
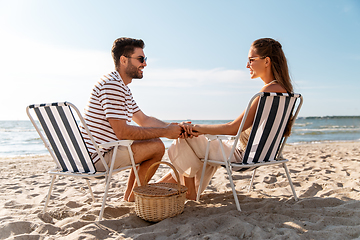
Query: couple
x=112 y=107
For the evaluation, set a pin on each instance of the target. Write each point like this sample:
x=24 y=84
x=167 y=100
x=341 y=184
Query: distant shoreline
x=181 y=120
x=290 y=144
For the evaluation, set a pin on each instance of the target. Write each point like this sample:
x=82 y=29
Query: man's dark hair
x=125 y=47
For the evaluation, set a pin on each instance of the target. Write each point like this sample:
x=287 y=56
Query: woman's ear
x=267 y=61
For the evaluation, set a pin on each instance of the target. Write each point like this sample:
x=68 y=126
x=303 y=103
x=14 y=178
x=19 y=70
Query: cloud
x=27 y=57
x=186 y=78
x=204 y=75
x=23 y=58
x=46 y=73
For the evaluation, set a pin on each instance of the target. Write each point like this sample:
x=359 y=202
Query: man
x=112 y=107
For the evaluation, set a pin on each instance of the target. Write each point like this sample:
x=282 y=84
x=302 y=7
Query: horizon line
x=299 y=117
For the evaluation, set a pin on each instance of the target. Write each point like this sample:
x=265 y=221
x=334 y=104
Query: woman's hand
x=188 y=130
x=185 y=129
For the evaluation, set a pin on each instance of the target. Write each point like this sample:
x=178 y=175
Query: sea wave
x=330 y=117
x=16 y=130
x=302 y=124
x=327 y=130
x=323 y=141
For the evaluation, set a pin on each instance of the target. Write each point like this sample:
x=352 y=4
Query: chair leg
x=104 y=199
x=49 y=193
x=88 y=184
x=203 y=170
x=108 y=179
x=252 y=180
x=291 y=184
x=233 y=188
x=230 y=177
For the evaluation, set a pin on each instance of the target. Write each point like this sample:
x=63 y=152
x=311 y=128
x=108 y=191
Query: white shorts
x=122 y=159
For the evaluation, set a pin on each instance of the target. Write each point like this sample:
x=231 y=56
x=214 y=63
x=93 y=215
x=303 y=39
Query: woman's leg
x=185 y=155
x=198 y=147
x=168 y=178
x=192 y=190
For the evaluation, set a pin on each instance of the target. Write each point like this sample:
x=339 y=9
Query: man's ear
x=123 y=60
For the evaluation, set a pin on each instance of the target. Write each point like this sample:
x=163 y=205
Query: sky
x=197 y=52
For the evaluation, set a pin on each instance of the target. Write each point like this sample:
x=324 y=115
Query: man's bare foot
x=131 y=197
x=127 y=194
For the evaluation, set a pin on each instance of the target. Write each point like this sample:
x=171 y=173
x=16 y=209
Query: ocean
x=20 y=137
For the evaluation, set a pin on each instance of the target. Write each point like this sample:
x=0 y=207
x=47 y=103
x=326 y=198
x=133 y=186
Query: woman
x=266 y=61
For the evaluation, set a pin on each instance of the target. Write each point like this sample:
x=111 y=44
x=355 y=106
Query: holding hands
x=188 y=130
x=182 y=130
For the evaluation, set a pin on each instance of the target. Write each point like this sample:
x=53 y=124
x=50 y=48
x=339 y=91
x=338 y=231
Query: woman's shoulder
x=273 y=88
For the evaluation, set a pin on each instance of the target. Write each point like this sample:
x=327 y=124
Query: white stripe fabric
x=277 y=127
x=286 y=119
x=59 y=152
x=270 y=121
x=79 y=139
x=65 y=138
x=272 y=134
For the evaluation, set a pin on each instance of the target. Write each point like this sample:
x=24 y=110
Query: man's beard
x=133 y=72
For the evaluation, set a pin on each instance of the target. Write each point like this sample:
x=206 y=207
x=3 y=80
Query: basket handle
x=147 y=175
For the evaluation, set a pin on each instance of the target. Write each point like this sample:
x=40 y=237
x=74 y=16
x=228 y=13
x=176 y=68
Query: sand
x=325 y=176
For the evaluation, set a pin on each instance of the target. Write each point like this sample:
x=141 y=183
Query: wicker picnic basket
x=157 y=201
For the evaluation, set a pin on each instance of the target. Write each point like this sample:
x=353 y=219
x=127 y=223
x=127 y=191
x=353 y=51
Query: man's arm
x=149 y=128
x=146 y=121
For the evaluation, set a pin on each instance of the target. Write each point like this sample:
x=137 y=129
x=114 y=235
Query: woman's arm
x=230 y=128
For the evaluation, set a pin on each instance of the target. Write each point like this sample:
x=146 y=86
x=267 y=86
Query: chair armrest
x=116 y=143
x=220 y=137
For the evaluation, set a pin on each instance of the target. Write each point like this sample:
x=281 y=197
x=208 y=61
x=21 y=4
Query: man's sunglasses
x=140 y=58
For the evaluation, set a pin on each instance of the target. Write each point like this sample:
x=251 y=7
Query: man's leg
x=146 y=152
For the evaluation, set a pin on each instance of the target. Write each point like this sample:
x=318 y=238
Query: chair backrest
x=63 y=134
x=267 y=134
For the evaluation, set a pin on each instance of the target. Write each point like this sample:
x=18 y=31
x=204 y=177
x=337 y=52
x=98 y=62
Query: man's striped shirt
x=110 y=98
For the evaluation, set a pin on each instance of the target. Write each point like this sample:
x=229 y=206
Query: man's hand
x=188 y=130
x=173 y=131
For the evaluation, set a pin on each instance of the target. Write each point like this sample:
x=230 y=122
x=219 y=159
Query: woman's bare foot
x=168 y=178
x=190 y=184
x=191 y=196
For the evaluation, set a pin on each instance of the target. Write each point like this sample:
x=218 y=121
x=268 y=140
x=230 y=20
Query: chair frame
x=279 y=159
x=108 y=171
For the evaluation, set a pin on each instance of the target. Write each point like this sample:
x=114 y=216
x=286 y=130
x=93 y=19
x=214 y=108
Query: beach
x=325 y=177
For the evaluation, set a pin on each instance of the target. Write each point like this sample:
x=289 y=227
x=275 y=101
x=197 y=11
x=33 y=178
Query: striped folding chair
x=67 y=147
x=266 y=140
